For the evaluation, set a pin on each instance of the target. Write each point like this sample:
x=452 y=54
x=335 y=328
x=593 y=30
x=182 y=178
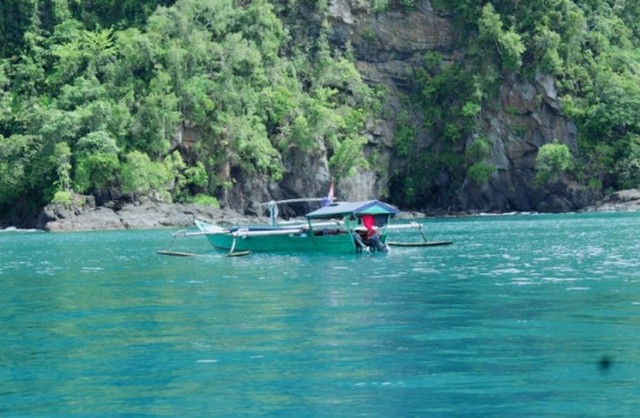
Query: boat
x=333 y=228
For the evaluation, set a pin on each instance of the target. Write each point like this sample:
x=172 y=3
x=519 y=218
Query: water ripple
x=521 y=316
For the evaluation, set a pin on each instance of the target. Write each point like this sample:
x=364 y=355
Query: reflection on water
x=521 y=316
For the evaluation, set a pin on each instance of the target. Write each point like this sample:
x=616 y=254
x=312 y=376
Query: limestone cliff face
x=528 y=114
x=388 y=47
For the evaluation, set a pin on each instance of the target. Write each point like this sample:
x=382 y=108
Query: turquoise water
x=523 y=316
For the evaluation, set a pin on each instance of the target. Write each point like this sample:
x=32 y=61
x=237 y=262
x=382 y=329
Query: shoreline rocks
x=141 y=215
x=85 y=215
x=620 y=201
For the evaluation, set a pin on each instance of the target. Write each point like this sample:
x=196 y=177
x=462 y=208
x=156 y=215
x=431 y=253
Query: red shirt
x=369 y=222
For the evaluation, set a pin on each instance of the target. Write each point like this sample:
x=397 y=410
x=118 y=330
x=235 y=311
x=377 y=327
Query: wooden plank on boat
x=419 y=244
x=175 y=253
x=243 y=232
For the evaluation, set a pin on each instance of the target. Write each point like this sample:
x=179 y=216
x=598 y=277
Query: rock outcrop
x=529 y=116
x=84 y=215
x=387 y=45
x=390 y=45
x=621 y=201
x=388 y=48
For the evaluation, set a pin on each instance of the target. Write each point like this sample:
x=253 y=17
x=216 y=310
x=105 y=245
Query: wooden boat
x=330 y=229
x=334 y=228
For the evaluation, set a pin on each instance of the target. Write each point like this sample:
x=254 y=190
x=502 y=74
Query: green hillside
x=178 y=100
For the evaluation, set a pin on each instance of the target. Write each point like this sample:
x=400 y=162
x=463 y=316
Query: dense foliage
x=105 y=97
x=590 y=47
x=97 y=96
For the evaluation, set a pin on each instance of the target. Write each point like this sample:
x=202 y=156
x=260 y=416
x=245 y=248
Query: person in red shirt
x=371 y=238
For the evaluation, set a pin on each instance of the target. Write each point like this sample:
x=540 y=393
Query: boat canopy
x=341 y=209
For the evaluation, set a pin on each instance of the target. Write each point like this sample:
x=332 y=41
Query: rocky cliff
x=388 y=48
x=526 y=116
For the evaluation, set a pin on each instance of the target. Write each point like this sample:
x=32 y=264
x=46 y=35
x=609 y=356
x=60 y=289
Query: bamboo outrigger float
x=334 y=228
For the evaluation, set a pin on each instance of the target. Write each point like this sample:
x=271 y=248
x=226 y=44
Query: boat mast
x=272 y=206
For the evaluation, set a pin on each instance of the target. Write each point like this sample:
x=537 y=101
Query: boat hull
x=289 y=243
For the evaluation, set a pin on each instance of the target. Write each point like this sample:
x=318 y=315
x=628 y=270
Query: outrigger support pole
x=232 y=252
x=233 y=245
x=424 y=243
x=424 y=237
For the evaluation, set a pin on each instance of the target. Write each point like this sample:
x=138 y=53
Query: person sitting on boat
x=370 y=238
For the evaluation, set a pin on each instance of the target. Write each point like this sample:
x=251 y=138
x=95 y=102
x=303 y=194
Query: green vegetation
x=95 y=97
x=591 y=48
x=552 y=161
x=449 y=100
x=479 y=171
x=178 y=99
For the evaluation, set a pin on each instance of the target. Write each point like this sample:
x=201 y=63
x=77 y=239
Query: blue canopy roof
x=367 y=207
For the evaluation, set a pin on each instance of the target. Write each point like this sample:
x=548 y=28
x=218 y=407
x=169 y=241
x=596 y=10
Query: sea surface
x=523 y=316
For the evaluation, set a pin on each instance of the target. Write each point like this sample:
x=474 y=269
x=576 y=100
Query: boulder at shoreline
x=141 y=215
x=620 y=201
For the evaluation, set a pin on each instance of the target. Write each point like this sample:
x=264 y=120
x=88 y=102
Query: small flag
x=326 y=201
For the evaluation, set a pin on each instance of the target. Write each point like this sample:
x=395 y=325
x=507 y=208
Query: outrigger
x=331 y=229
